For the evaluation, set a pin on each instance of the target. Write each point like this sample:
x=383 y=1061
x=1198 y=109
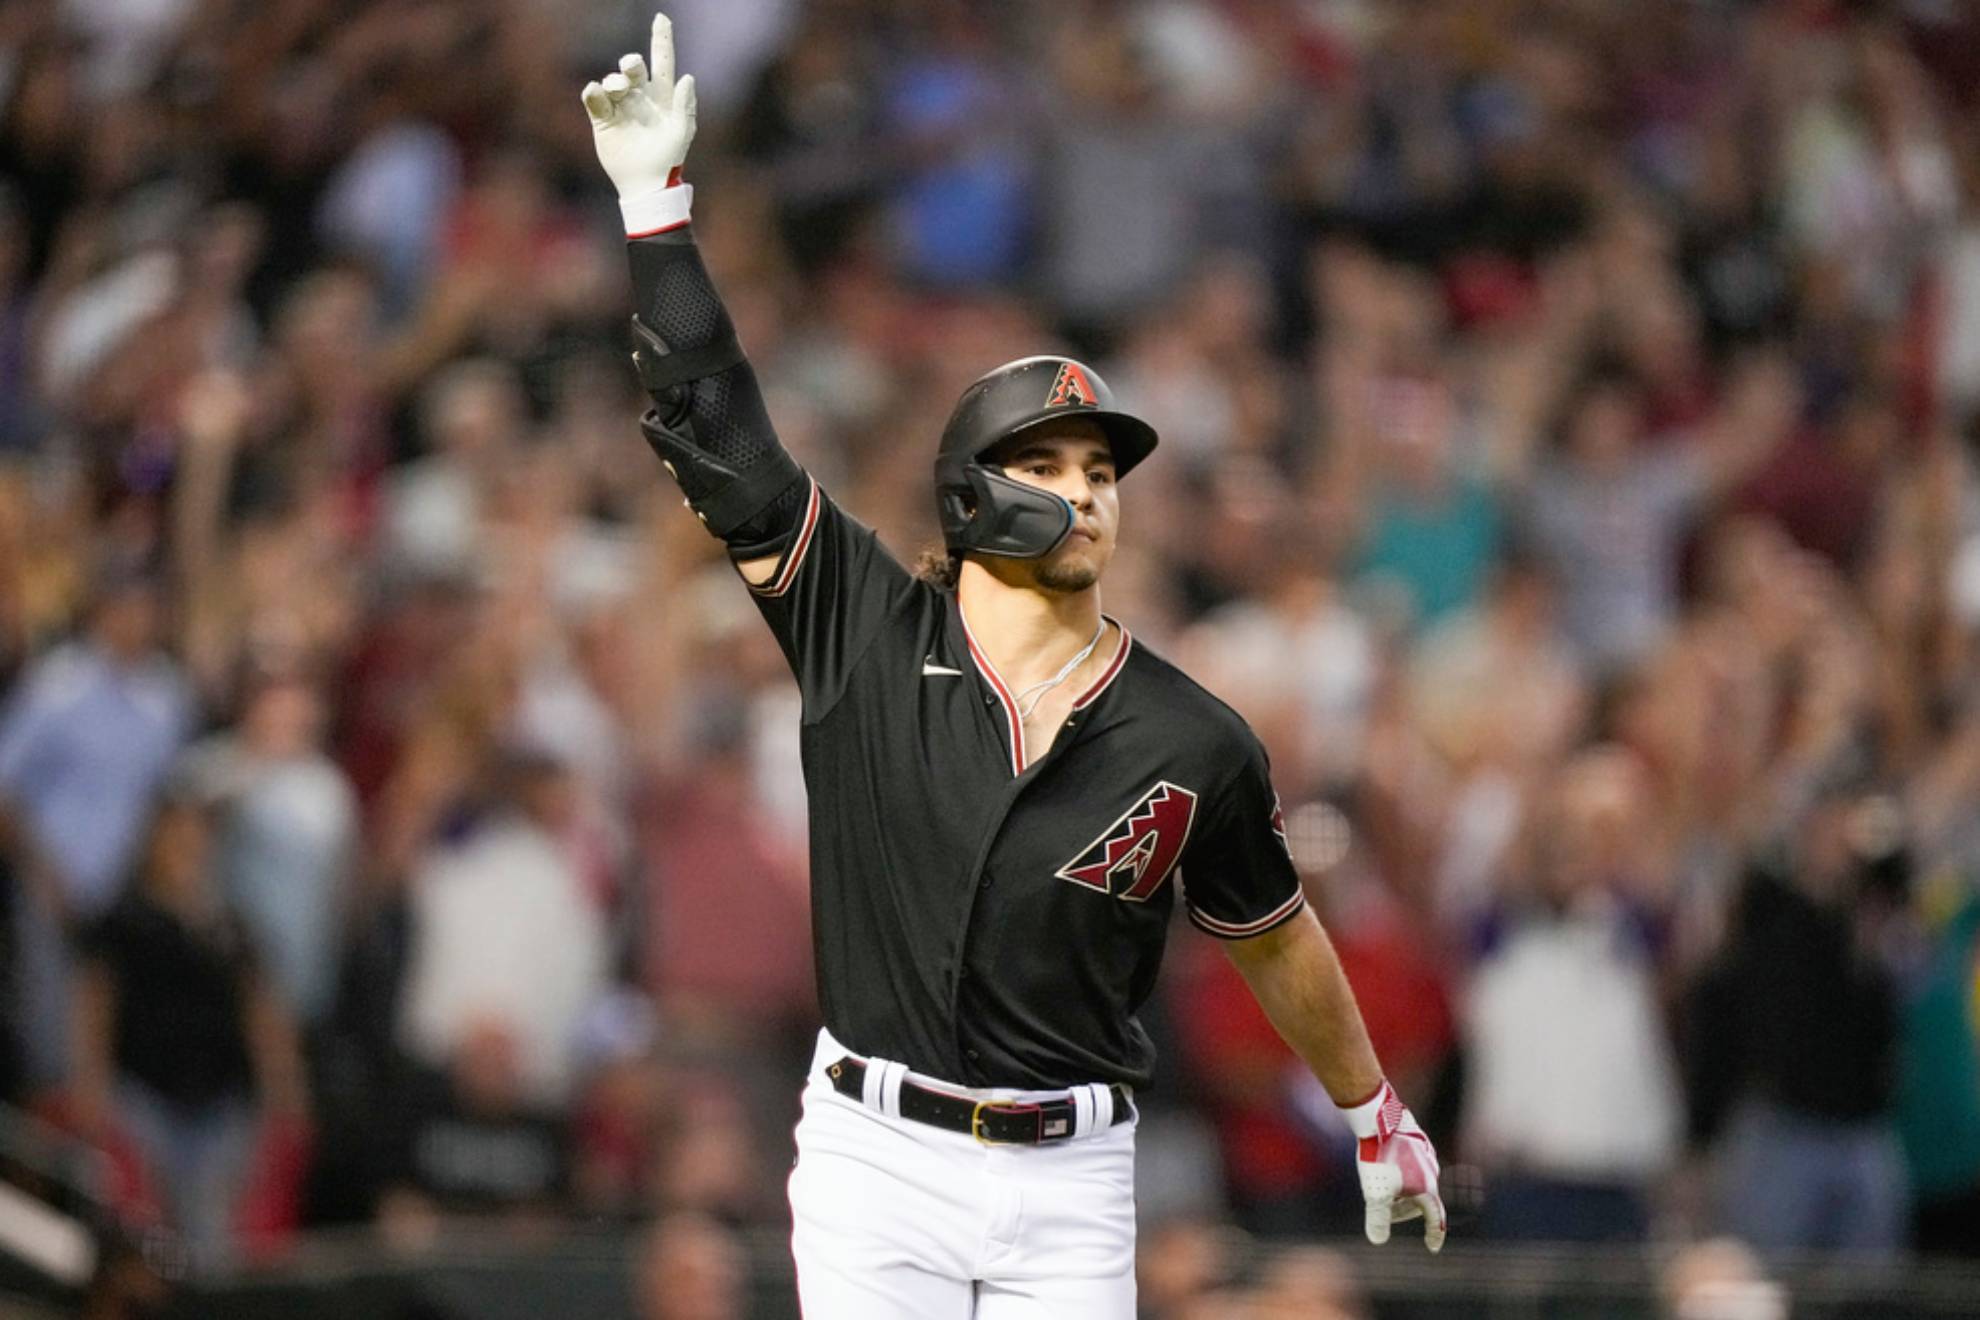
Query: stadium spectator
x=961 y=213
x=467 y=1142
x=471 y=418
x=510 y=895
x=182 y=1037
x=1794 y=1036
x=1611 y=515
x=89 y=735
x=1432 y=521
x=1572 y=1103
x=1129 y=172
x=1496 y=684
x=288 y=832
x=708 y=849
x=1297 y=661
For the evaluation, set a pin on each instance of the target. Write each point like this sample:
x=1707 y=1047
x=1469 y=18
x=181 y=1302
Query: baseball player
x=1009 y=795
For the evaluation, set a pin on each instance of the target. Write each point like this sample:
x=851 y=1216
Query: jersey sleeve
x=834 y=589
x=1238 y=874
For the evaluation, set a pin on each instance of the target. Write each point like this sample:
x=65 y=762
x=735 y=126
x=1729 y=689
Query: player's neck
x=1026 y=633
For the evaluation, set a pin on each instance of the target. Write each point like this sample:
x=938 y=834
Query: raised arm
x=708 y=423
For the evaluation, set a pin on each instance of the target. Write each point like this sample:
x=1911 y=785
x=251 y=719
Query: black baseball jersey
x=978 y=915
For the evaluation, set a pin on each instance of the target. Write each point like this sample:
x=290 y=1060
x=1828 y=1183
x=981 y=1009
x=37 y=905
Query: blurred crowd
x=1571 y=468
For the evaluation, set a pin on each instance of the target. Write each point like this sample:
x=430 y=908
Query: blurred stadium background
x=1570 y=414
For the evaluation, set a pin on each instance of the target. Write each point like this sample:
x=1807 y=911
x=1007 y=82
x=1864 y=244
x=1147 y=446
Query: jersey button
x=971 y=1055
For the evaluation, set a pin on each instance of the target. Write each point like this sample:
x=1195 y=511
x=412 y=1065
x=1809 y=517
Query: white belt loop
x=891 y=1076
x=1103 y=1106
x=1083 y=1106
x=869 y=1092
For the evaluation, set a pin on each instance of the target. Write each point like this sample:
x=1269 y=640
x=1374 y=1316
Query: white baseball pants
x=897 y=1220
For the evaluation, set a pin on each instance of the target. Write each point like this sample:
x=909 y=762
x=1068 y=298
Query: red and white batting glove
x=1397 y=1165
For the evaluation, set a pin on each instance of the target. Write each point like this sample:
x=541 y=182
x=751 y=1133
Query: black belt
x=992 y=1122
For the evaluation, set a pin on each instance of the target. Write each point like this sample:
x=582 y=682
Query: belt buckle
x=976 y=1123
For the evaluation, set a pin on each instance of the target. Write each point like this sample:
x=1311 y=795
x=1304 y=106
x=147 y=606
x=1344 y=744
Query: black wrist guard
x=663 y=370
x=681 y=330
x=708 y=425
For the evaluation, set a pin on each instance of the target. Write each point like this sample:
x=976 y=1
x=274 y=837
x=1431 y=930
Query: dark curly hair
x=939 y=568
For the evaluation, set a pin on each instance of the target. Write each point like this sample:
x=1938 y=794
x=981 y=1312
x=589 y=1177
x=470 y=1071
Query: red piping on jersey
x=1011 y=715
x=989 y=671
x=1234 y=930
x=795 y=559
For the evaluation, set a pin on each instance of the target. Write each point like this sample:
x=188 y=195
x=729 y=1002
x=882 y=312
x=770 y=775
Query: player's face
x=1077 y=464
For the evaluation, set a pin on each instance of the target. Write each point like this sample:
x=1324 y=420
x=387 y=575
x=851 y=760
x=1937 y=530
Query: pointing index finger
x=661 y=63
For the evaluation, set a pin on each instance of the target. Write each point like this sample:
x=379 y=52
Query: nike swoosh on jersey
x=930 y=669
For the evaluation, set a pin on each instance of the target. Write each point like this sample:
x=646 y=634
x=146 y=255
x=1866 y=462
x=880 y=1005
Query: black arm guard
x=730 y=498
x=708 y=423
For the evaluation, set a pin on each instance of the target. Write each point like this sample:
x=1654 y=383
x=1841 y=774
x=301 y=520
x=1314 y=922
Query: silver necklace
x=1024 y=711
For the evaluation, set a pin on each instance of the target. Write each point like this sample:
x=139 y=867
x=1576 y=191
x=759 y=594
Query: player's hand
x=642 y=120
x=1398 y=1168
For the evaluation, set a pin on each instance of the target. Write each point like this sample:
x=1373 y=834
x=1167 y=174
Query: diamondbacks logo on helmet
x=1135 y=854
x=1071 y=388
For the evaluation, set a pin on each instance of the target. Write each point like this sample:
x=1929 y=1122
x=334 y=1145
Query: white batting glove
x=642 y=122
x=1398 y=1168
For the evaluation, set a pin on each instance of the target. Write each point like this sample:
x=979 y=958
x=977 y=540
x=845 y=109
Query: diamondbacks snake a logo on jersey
x=1135 y=854
x=1071 y=387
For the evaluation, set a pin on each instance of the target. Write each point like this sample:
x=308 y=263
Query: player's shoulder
x=1187 y=708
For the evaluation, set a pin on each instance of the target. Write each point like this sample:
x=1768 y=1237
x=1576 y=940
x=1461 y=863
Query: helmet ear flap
x=998 y=515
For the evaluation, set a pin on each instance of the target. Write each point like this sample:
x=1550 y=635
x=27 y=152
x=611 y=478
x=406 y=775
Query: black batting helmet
x=987 y=513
